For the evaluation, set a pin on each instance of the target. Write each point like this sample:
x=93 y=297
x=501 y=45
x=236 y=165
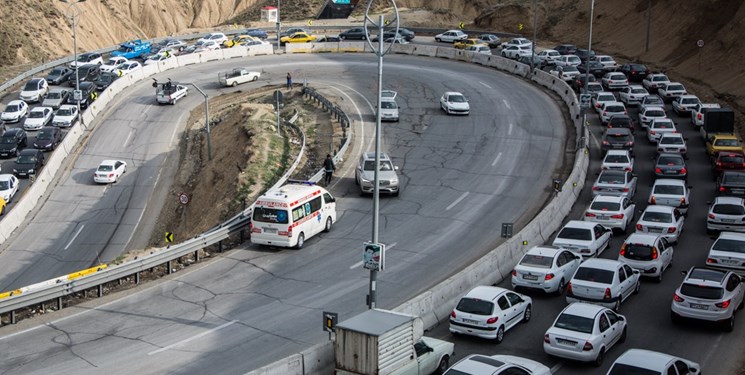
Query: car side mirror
x=683 y=272
x=395 y=167
x=621 y=318
x=636 y=272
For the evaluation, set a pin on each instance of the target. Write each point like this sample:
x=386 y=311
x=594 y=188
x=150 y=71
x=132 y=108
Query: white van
x=288 y=216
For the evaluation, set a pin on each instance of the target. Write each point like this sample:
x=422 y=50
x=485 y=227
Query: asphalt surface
x=460 y=176
x=648 y=314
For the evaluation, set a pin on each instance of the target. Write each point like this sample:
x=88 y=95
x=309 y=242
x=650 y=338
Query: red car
x=728 y=161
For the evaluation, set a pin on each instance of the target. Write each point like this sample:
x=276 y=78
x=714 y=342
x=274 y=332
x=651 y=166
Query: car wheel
x=328 y=225
x=2 y=211
x=599 y=359
x=730 y=323
x=396 y=193
x=255 y=78
x=443 y=366
x=560 y=289
x=438 y=40
x=234 y=84
x=300 y=241
x=658 y=279
x=500 y=335
x=617 y=305
x=526 y=314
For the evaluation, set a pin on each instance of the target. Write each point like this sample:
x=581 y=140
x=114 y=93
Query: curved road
x=461 y=176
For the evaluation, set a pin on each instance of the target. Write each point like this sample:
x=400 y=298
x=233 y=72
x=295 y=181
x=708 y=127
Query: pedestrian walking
x=329 y=168
x=289 y=81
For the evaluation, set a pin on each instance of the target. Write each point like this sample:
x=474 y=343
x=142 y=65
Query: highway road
x=460 y=175
x=648 y=314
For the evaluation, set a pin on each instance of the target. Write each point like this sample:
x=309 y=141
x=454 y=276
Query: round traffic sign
x=700 y=43
x=183 y=198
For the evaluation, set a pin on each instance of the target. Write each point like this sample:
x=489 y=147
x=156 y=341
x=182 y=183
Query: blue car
x=258 y=33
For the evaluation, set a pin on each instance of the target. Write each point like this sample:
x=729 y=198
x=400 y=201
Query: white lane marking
x=506 y=104
x=75 y=236
x=124 y=145
x=509 y=131
x=359 y=113
x=487 y=86
x=193 y=337
x=463 y=196
x=557 y=367
x=496 y=160
x=359 y=264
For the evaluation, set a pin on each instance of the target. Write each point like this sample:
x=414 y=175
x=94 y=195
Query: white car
x=128 y=67
x=648 y=114
x=605 y=282
x=708 y=294
x=38 y=118
x=482 y=49
x=584 y=238
x=651 y=101
x=14 y=111
x=478 y=364
x=451 y=36
x=546 y=268
x=640 y=361
x=653 y=81
x=219 y=38
x=658 y=127
x=671 y=90
x=728 y=252
x=651 y=254
x=615 y=182
x=697 y=113
x=619 y=160
x=109 y=171
x=567 y=73
x=614 y=80
x=548 y=56
x=661 y=219
x=515 y=52
x=584 y=332
x=209 y=45
x=726 y=214
x=632 y=95
x=599 y=98
x=568 y=60
x=608 y=62
x=34 y=91
x=673 y=143
x=610 y=109
x=670 y=192
x=388 y=110
x=489 y=311
x=683 y=104
x=615 y=212
x=113 y=63
x=156 y=58
x=518 y=42
x=66 y=116
x=454 y=103
x=170 y=94
x=8 y=187
x=86 y=59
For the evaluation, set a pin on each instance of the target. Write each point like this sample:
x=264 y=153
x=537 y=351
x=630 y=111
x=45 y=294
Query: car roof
x=608 y=198
x=688 y=96
x=11 y=132
x=642 y=238
x=29 y=151
x=669 y=181
x=448 y=93
x=15 y=102
x=732 y=236
x=602 y=263
x=728 y=200
x=618 y=131
x=40 y=109
x=370 y=155
x=618 y=152
x=108 y=162
x=579 y=224
x=659 y=208
x=583 y=309
x=724 y=136
x=652 y=107
x=669 y=155
x=646 y=359
x=706 y=275
x=68 y=106
x=671 y=135
x=613 y=172
x=6 y=177
x=477 y=364
x=485 y=292
x=545 y=250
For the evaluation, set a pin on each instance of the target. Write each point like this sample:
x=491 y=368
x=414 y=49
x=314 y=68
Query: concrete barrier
x=292 y=365
x=184 y=60
x=325 y=47
x=406 y=49
x=353 y=46
x=317 y=359
x=168 y=64
x=237 y=51
x=465 y=56
x=425 y=51
x=481 y=59
x=445 y=53
x=146 y=71
x=207 y=56
x=298 y=48
x=258 y=50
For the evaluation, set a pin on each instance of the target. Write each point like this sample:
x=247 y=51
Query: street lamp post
x=74 y=12
x=532 y=48
x=587 y=62
x=206 y=118
x=279 y=25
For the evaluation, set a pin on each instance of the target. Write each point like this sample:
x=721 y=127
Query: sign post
x=329 y=322
x=278 y=99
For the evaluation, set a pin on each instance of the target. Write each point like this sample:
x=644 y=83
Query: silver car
x=387 y=174
x=615 y=182
x=728 y=252
x=56 y=97
x=708 y=294
x=726 y=213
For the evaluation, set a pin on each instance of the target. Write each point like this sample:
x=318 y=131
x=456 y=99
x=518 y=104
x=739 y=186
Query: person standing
x=289 y=81
x=329 y=168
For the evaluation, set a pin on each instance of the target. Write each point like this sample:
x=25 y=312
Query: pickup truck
x=237 y=76
x=170 y=92
x=132 y=49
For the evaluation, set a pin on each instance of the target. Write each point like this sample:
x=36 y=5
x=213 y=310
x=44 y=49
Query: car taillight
x=627 y=169
x=514 y=273
x=654 y=253
x=452 y=314
x=623 y=250
x=589 y=214
x=639 y=227
x=619 y=216
x=630 y=143
x=597 y=105
x=595 y=188
x=569 y=289
x=711 y=260
x=722 y=189
x=492 y=320
x=711 y=216
x=546 y=339
x=671 y=230
x=719 y=164
x=652 y=200
x=606 y=143
x=700 y=116
x=683 y=200
x=587 y=347
x=289 y=231
x=607 y=293
x=549 y=276
x=723 y=304
x=683 y=171
x=605 y=113
x=677 y=298
x=625 y=190
x=652 y=132
x=657 y=170
x=111 y=175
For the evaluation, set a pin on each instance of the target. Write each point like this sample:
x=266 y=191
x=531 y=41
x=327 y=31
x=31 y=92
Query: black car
x=670 y=166
x=537 y=62
x=566 y=49
x=105 y=79
x=622 y=121
x=618 y=139
x=490 y=39
x=635 y=72
x=579 y=82
x=294 y=30
x=328 y=39
x=354 y=33
x=28 y=162
x=48 y=138
x=89 y=94
x=596 y=68
x=60 y=75
x=12 y=141
x=583 y=53
x=731 y=183
x=407 y=34
x=86 y=73
x=256 y=33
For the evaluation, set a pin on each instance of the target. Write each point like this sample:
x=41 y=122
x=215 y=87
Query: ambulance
x=288 y=216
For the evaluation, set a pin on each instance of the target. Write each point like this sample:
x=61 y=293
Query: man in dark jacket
x=329 y=168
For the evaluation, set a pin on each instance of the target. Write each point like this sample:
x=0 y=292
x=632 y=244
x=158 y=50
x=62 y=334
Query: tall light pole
x=279 y=25
x=380 y=51
x=587 y=62
x=74 y=12
x=532 y=48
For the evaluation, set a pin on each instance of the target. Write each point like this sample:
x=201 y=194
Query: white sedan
x=38 y=118
x=112 y=63
x=546 y=268
x=650 y=113
x=489 y=311
x=683 y=104
x=454 y=103
x=567 y=60
x=614 y=80
x=618 y=160
x=640 y=361
x=728 y=252
x=8 y=186
x=567 y=73
x=632 y=95
x=515 y=52
x=600 y=98
x=673 y=143
x=547 y=56
x=584 y=332
x=109 y=171
x=604 y=282
x=615 y=212
x=128 y=67
x=661 y=219
x=608 y=62
x=615 y=182
x=671 y=90
x=66 y=116
x=610 y=109
x=585 y=238
x=660 y=126
x=517 y=42
x=670 y=192
x=652 y=81
x=726 y=214
x=14 y=111
x=451 y=36
x=156 y=58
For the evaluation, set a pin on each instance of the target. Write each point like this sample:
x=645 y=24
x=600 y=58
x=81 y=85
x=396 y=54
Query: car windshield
x=736 y=159
x=659 y=79
x=657 y=217
x=36 y=114
x=385 y=165
x=606 y=98
x=475 y=306
x=387 y=104
x=638 y=91
x=54 y=95
x=4 y=185
x=728 y=209
x=614 y=108
x=575 y=234
x=270 y=215
x=612 y=178
x=64 y=112
x=726 y=244
x=456 y=99
x=624 y=369
x=534 y=260
x=12 y=108
x=616 y=159
x=595 y=275
x=7 y=140
x=668 y=189
x=31 y=86
x=617 y=77
x=701 y=291
x=671 y=141
x=734 y=178
x=670 y=161
x=727 y=142
x=574 y=323
x=621 y=121
x=26 y=159
x=662 y=125
x=653 y=99
x=605 y=206
x=654 y=113
x=674 y=88
x=44 y=135
x=571 y=69
x=105 y=168
x=637 y=67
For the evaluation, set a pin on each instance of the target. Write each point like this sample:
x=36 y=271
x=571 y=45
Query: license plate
x=699 y=306
x=565 y=341
x=738 y=191
x=655 y=230
x=599 y=217
x=270 y=230
x=729 y=261
x=727 y=220
x=530 y=277
x=671 y=172
x=471 y=321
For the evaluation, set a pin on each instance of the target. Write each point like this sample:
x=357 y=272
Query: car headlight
x=363 y=179
x=31 y=170
x=394 y=181
x=15 y=170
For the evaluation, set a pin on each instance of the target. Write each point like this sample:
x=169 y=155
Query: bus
x=288 y=216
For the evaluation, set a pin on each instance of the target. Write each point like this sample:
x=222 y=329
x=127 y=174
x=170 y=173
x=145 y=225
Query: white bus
x=288 y=216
